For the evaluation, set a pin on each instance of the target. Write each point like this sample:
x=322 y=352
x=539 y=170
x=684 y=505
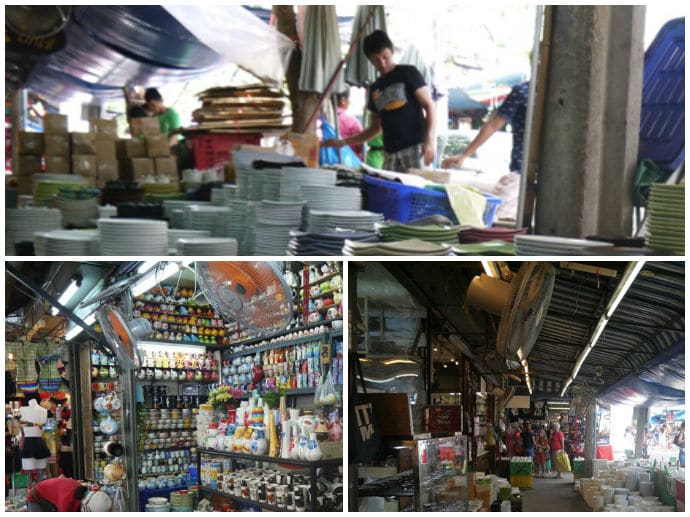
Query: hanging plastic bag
x=563 y=461
x=328 y=396
x=330 y=155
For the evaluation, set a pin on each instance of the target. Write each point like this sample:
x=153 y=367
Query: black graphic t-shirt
x=402 y=117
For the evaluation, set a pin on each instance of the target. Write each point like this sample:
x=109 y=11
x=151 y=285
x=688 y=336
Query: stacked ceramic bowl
x=202 y=246
x=158 y=504
x=182 y=501
x=400 y=248
x=22 y=223
x=217 y=198
x=328 y=243
x=271 y=184
x=293 y=178
x=67 y=242
x=203 y=419
x=133 y=237
x=667 y=218
x=230 y=193
x=178 y=204
x=77 y=212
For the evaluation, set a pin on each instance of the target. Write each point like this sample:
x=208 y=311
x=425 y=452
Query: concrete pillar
x=590 y=133
x=590 y=439
x=640 y=417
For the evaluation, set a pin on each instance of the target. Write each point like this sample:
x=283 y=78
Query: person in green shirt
x=168 y=118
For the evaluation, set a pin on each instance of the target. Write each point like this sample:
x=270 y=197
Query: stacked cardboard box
x=30 y=147
x=148 y=155
x=105 y=147
x=56 y=140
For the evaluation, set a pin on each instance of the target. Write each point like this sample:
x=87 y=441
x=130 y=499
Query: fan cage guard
x=522 y=318
x=119 y=336
x=254 y=294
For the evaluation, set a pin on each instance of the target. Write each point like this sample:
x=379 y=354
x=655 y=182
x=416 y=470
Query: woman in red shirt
x=556 y=441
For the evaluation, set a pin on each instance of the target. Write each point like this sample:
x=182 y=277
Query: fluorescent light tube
x=66 y=296
x=154 y=277
x=76 y=330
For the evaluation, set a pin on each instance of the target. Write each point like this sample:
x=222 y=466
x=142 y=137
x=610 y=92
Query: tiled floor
x=553 y=495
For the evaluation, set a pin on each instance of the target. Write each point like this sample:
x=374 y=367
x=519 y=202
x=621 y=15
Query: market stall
x=470 y=417
x=204 y=385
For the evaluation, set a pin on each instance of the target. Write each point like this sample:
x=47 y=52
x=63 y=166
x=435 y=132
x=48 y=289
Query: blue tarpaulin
x=659 y=382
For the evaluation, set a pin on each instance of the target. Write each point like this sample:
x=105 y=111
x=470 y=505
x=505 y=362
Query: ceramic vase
x=313 y=450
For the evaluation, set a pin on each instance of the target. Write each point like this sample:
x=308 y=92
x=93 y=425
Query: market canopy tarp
x=359 y=71
x=110 y=46
x=659 y=382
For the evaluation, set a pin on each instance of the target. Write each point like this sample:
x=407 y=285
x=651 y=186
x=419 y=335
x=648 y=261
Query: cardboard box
x=28 y=165
x=145 y=126
x=106 y=170
x=57 y=164
x=30 y=143
x=56 y=144
x=84 y=165
x=136 y=148
x=104 y=128
x=54 y=123
x=142 y=167
x=157 y=146
x=105 y=150
x=166 y=166
x=82 y=143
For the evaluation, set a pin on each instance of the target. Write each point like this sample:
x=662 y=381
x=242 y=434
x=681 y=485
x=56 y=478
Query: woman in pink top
x=348 y=124
x=556 y=441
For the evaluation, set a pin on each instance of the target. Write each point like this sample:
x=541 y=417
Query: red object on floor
x=605 y=452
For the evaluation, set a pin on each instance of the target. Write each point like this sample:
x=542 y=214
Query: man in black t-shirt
x=401 y=106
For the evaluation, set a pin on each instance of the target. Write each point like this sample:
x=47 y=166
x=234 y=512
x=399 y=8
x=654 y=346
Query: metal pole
x=129 y=439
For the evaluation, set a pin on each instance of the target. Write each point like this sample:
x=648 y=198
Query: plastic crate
x=403 y=203
x=521 y=480
x=216 y=148
x=662 y=120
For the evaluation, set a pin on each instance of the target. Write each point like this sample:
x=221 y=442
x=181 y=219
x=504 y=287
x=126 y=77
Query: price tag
x=423 y=436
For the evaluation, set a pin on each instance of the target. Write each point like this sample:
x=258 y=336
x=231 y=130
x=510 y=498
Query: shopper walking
x=540 y=451
x=528 y=441
x=679 y=440
x=556 y=443
x=510 y=440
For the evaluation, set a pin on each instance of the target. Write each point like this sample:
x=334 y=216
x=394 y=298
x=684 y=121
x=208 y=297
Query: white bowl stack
x=22 y=223
x=274 y=222
x=178 y=233
x=67 y=243
x=319 y=197
x=295 y=177
x=133 y=237
x=206 y=246
x=213 y=219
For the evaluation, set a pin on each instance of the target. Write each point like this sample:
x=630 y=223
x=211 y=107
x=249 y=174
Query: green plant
x=272 y=397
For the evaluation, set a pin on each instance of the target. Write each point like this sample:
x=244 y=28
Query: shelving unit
x=310 y=466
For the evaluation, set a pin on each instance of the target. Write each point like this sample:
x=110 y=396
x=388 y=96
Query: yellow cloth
x=563 y=462
x=468 y=204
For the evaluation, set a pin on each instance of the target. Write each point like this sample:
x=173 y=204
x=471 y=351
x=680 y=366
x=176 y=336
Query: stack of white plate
x=67 y=242
x=215 y=246
x=666 y=226
x=549 y=245
x=133 y=237
x=77 y=212
x=178 y=204
x=213 y=219
x=240 y=227
x=274 y=222
x=217 y=198
x=230 y=193
x=319 y=197
x=400 y=248
x=22 y=223
x=176 y=233
x=271 y=185
x=295 y=177
x=320 y=221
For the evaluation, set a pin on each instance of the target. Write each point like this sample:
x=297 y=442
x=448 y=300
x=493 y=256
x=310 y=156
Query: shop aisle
x=553 y=495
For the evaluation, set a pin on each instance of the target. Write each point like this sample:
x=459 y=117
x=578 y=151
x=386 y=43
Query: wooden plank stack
x=251 y=108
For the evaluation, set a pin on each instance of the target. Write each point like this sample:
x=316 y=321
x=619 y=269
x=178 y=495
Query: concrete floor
x=553 y=495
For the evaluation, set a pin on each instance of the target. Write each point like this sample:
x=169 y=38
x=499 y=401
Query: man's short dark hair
x=152 y=94
x=376 y=42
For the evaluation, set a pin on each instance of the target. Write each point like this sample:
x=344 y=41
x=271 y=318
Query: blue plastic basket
x=662 y=121
x=403 y=203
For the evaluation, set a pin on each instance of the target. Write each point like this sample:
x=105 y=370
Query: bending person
x=401 y=107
